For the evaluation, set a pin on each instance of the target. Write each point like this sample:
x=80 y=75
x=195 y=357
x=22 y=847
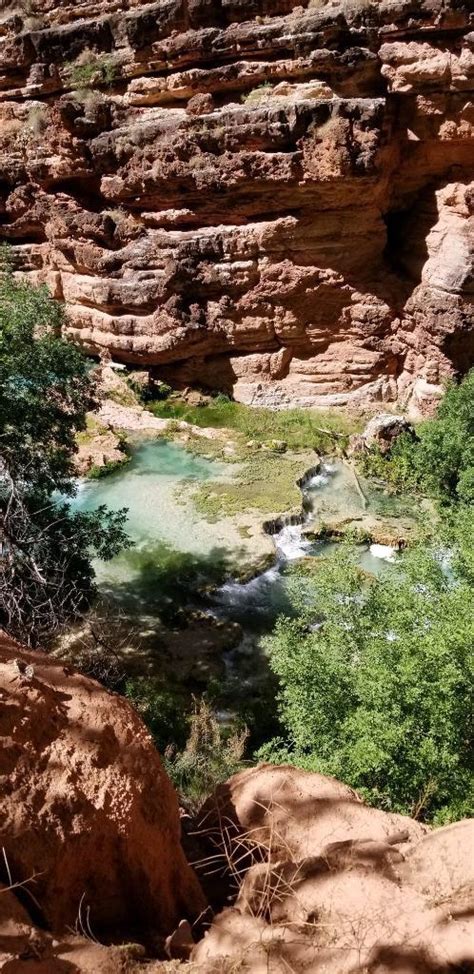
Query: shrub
x=160 y=709
x=212 y=753
x=440 y=462
x=97 y=472
x=88 y=97
x=46 y=388
x=92 y=69
x=376 y=679
x=161 y=390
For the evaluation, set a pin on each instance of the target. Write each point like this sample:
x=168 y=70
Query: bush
x=46 y=388
x=92 y=70
x=212 y=753
x=376 y=681
x=160 y=709
x=97 y=472
x=440 y=461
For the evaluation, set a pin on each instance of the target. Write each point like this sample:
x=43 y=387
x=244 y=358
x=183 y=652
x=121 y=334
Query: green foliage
x=298 y=428
x=376 y=681
x=457 y=534
x=96 y=70
x=46 y=387
x=212 y=753
x=148 y=392
x=97 y=472
x=161 y=710
x=161 y=390
x=396 y=468
x=440 y=461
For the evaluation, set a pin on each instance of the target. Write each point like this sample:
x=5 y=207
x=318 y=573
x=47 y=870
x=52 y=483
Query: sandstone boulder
x=200 y=104
x=295 y=814
x=340 y=888
x=381 y=432
x=87 y=812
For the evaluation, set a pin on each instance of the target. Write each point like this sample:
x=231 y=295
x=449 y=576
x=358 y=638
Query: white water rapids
x=256 y=603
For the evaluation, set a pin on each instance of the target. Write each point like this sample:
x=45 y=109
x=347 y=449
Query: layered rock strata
x=263 y=198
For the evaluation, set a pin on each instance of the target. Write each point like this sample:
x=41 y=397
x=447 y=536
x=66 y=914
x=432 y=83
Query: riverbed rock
x=333 y=886
x=260 y=197
x=98 y=449
x=381 y=431
x=87 y=808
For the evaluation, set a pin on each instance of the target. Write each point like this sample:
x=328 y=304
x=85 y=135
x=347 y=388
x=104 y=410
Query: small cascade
x=384 y=551
x=249 y=600
x=263 y=595
x=250 y=588
x=290 y=544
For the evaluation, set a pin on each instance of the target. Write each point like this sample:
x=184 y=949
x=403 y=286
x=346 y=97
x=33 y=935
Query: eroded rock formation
x=249 y=194
x=88 y=818
x=89 y=832
x=340 y=888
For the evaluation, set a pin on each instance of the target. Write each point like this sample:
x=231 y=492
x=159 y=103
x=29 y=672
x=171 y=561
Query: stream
x=179 y=559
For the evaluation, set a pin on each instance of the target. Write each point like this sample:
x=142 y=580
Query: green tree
x=376 y=680
x=444 y=460
x=440 y=460
x=46 y=388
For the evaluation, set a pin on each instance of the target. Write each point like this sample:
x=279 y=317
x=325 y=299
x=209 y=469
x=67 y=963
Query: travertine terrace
x=260 y=197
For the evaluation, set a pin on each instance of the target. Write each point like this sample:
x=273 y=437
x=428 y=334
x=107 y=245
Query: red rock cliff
x=261 y=197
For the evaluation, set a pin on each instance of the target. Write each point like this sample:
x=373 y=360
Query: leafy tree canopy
x=376 y=676
x=46 y=387
x=440 y=460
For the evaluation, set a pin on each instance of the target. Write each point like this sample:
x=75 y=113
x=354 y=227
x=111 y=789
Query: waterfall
x=384 y=551
x=290 y=544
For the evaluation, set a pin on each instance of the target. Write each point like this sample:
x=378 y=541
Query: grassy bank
x=299 y=429
x=271 y=450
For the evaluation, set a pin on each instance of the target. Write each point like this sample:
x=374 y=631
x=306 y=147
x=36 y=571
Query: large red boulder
x=87 y=812
x=331 y=886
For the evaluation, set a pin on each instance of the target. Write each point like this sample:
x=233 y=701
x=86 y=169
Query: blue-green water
x=147 y=486
x=176 y=554
x=169 y=538
x=180 y=564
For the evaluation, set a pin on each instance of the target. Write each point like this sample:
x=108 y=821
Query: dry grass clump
x=334 y=130
x=9 y=131
x=212 y=753
x=37 y=120
x=257 y=94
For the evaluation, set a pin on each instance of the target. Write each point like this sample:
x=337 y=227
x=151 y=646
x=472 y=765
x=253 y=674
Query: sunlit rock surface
x=260 y=197
x=335 y=887
x=89 y=818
